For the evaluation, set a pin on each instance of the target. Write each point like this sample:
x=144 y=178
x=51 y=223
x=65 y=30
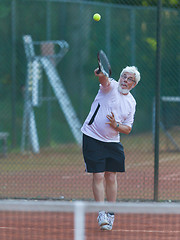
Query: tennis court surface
x=54 y=220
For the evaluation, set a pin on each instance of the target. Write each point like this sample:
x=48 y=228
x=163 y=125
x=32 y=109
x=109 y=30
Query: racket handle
x=98 y=71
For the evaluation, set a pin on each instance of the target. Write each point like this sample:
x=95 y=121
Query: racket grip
x=98 y=71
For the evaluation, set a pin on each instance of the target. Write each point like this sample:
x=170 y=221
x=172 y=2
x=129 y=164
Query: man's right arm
x=104 y=80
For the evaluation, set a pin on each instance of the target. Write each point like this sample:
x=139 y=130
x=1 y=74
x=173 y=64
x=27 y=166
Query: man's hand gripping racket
x=104 y=65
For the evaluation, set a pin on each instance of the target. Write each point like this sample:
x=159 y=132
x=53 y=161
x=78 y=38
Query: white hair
x=132 y=69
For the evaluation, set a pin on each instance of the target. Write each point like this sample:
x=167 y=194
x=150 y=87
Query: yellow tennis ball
x=97 y=17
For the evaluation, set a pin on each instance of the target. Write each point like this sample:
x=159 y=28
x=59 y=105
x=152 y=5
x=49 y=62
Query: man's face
x=127 y=81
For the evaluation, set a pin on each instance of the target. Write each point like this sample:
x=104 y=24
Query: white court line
x=163 y=160
x=8 y=228
x=150 y=163
x=114 y=230
x=145 y=231
x=17 y=228
x=173 y=176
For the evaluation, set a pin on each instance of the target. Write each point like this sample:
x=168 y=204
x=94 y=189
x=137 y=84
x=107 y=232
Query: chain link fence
x=47 y=84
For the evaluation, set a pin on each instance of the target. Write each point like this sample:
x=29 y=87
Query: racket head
x=104 y=65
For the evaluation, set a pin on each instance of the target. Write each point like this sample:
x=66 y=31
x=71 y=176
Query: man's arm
x=123 y=128
x=104 y=80
x=119 y=127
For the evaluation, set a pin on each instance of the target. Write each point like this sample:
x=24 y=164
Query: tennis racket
x=104 y=65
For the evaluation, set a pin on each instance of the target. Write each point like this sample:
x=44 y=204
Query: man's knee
x=110 y=177
x=98 y=177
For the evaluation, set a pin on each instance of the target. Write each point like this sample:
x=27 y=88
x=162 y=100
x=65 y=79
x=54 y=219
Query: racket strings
x=104 y=64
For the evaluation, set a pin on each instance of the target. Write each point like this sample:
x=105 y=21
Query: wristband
x=117 y=126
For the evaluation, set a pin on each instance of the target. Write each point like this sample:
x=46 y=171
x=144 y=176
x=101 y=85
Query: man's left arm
x=118 y=126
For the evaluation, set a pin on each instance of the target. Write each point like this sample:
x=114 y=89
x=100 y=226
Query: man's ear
x=134 y=85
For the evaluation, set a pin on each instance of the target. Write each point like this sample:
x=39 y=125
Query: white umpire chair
x=47 y=61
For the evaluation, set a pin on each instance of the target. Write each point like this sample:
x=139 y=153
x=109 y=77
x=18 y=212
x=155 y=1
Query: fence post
x=13 y=73
x=157 y=101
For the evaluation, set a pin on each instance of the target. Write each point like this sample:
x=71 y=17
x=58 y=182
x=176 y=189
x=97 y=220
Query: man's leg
x=98 y=191
x=111 y=193
x=98 y=186
x=111 y=186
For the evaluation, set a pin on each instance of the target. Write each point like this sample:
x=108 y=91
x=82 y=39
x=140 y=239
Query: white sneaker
x=110 y=222
x=102 y=218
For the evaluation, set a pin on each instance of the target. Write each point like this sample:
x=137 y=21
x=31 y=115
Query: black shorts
x=103 y=156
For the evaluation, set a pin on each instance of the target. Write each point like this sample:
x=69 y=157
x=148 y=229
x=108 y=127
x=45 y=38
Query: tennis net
x=61 y=220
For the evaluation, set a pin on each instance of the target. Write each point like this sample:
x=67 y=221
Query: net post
x=79 y=220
